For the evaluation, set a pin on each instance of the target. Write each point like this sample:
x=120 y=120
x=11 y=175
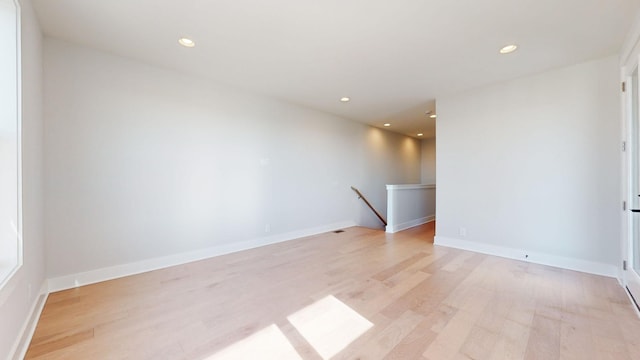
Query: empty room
x=411 y=179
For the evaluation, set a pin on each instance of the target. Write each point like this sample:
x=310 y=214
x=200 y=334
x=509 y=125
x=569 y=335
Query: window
x=10 y=169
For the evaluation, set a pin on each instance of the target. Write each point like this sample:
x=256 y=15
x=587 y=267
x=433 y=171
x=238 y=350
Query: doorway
x=631 y=243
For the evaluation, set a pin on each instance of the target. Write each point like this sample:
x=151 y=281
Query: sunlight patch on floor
x=268 y=343
x=329 y=325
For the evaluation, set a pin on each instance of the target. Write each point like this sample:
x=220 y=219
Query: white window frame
x=19 y=252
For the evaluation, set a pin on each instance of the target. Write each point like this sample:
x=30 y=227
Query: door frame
x=629 y=278
x=629 y=61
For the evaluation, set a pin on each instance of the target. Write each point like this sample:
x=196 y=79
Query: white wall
x=428 y=160
x=409 y=205
x=533 y=164
x=19 y=296
x=142 y=162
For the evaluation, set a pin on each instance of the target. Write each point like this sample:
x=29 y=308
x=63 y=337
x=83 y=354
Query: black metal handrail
x=360 y=196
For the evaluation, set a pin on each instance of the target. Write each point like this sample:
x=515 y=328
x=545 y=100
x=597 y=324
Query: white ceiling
x=392 y=57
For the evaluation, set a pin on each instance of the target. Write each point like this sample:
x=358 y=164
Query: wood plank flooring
x=387 y=296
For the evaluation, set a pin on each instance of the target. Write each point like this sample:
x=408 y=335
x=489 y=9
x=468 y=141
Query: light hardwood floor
x=396 y=296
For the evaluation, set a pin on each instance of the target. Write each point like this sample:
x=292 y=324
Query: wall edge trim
x=575 y=264
x=70 y=281
x=23 y=341
x=409 y=224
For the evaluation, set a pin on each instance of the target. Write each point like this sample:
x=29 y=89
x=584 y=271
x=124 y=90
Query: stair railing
x=360 y=196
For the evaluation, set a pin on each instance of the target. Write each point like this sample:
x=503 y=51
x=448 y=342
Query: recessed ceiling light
x=387 y=125
x=420 y=134
x=186 y=42
x=345 y=99
x=508 y=49
x=433 y=116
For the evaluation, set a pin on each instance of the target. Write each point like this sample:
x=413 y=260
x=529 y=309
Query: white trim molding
x=117 y=271
x=28 y=329
x=409 y=224
x=411 y=186
x=9 y=274
x=585 y=266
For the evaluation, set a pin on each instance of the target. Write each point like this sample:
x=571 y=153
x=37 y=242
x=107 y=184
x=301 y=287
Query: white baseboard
x=586 y=266
x=22 y=343
x=117 y=271
x=409 y=224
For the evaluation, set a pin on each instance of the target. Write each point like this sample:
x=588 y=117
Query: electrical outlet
x=267 y=228
x=29 y=292
x=462 y=231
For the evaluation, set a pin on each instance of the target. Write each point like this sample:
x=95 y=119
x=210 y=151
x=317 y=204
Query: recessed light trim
x=386 y=124
x=420 y=134
x=508 y=49
x=345 y=99
x=433 y=116
x=186 y=42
